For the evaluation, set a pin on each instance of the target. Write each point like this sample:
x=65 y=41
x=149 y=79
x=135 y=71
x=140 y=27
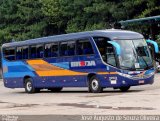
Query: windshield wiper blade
x=128 y=68
x=147 y=66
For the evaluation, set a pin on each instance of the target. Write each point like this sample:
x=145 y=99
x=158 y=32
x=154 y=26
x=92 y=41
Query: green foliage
x=25 y=19
x=21 y=20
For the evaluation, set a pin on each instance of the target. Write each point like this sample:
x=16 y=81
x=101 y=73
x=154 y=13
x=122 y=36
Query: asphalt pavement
x=141 y=100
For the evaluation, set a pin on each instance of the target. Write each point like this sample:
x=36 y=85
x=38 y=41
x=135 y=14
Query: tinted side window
x=19 y=53
x=36 y=51
x=101 y=43
x=40 y=52
x=33 y=51
x=47 y=50
x=63 y=49
x=67 y=48
x=51 y=50
x=71 y=48
x=54 y=50
x=84 y=47
x=22 y=52
x=25 y=52
x=106 y=50
x=9 y=53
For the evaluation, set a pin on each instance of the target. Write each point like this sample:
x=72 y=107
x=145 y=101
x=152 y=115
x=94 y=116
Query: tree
x=25 y=19
x=21 y=20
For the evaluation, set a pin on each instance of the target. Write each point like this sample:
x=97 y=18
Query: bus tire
x=29 y=87
x=124 y=89
x=94 y=85
x=56 y=89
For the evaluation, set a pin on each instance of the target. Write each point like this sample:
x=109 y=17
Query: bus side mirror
x=117 y=46
x=156 y=49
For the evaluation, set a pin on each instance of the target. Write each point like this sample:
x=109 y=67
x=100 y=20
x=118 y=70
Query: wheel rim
x=29 y=86
x=95 y=84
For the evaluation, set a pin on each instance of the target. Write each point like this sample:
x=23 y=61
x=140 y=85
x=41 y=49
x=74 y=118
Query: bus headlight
x=125 y=75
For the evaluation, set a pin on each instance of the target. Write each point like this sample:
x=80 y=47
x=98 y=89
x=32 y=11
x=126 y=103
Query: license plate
x=141 y=82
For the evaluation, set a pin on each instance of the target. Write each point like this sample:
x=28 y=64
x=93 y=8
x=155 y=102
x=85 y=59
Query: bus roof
x=110 y=33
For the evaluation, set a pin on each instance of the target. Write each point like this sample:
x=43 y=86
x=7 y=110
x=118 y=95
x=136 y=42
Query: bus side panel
x=13 y=82
x=61 y=81
x=57 y=72
x=14 y=73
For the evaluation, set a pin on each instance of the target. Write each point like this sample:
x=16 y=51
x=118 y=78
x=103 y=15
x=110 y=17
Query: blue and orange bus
x=94 y=59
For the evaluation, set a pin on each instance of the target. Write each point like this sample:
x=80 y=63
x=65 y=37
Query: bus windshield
x=135 y=54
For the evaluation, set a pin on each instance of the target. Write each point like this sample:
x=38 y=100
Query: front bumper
x=117 y=81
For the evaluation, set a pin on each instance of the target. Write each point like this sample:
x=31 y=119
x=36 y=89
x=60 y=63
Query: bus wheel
x=94 y=85
x=29 y=88
x=56 y=89
x=124 y=89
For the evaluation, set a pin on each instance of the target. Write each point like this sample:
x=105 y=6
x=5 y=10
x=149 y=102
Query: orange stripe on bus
x=31 y=62
x=42 y=68
x=103 y=73
x=59 y=73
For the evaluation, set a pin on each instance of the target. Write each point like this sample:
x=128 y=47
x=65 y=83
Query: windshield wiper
x=127 y=68
x=147 y=66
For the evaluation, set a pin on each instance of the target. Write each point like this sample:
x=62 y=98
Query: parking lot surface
x=72 y=101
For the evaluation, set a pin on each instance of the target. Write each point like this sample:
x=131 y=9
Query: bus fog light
x=113 y=81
